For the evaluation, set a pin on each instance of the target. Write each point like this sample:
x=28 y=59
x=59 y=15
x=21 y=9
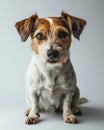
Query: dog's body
x=51 y=80
x=51 y=84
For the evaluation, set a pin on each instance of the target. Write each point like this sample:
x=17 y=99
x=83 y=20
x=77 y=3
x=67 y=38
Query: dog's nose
x=52 y=54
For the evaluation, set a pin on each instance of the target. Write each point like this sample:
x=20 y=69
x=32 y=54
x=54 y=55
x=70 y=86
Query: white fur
x=49 y=83
x=51 y=80
x=49 y=20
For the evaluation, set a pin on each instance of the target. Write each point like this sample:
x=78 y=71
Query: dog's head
x=51 y=37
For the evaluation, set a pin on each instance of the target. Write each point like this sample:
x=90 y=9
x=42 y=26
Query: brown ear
x=76 y=24
x=24 y=27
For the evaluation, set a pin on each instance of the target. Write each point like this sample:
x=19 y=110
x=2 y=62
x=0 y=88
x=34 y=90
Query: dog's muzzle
x=53 y=56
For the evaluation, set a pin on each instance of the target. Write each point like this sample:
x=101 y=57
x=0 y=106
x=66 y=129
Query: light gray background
x=87 y=57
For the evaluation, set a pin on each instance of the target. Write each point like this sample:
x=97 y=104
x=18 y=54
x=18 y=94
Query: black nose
x=52 y=54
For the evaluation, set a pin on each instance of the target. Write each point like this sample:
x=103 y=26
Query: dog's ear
x=24 y=27
x=76 y=24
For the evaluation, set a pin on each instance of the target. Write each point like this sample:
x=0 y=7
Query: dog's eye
x=40 y=36
x=62 y=34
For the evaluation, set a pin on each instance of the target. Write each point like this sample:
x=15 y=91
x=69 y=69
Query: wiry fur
x=51 y=86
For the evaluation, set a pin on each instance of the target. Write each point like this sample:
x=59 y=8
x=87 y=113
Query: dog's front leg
x=67 y=113
x=33 y=116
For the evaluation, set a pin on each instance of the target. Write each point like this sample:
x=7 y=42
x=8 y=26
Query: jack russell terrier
x=51 y=80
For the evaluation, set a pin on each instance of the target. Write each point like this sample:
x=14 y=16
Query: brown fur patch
x=51 y=33
x=76 y=24
x=33 y=25
x=35 y=47
x=60 y=24
x=43 y=26
x=25 y=27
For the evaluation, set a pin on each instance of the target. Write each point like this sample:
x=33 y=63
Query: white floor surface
x=92 y=119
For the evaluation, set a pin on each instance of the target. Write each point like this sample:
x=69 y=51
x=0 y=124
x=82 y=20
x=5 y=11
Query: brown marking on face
x=35 y=47
x=59 y=21
x=29 y=25
x=51 y=31
x=43 y=27
x=60 y=25
x=62 y=42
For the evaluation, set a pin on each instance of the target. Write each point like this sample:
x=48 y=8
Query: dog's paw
x=76 y=111
x=32 y=120
x=70 y=119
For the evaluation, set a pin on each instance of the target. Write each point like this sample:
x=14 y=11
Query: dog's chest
x=53 y=82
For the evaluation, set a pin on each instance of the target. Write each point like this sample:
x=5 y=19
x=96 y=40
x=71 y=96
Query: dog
x=51 y=79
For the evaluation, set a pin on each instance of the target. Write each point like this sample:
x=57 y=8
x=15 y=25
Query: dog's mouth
x=52 y=61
